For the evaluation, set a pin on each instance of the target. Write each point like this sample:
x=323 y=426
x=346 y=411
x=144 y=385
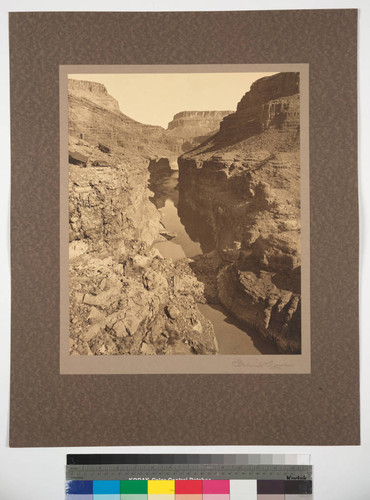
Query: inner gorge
x=185 y=239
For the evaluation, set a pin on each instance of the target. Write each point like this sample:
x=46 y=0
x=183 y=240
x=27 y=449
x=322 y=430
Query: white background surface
x=340 y=473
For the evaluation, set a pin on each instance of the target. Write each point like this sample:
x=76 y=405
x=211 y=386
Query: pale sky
x=154 y=98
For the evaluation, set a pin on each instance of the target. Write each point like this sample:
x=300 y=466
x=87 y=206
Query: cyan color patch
x=107 y=488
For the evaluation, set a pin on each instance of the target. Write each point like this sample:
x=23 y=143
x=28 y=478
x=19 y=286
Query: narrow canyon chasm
x=190 y=236
x=185 y=240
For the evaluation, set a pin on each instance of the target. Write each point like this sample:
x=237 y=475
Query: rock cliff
x=195 y=126
x=97 y=113
x=94 y=116
x=272 y=102
x=244 y=182
x=124 y=297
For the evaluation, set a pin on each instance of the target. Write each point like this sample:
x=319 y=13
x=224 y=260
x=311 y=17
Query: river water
x=232 y=336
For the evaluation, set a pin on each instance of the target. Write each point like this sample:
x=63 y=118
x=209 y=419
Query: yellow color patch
x=161 y=487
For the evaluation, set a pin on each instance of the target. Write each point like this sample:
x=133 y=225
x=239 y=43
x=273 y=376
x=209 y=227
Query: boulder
x=77 y=158
x=100 y=163
x=172 y=311
x=104 y=148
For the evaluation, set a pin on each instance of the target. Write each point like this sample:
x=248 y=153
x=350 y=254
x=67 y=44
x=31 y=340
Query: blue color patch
x=106 y=487
x=79 y=488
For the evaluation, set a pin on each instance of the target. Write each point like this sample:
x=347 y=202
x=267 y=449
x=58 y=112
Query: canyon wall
x=94 y=116
x=124 y=297
x=244 y=183
x=97 y=113
x=195 y=126
x=272 y=102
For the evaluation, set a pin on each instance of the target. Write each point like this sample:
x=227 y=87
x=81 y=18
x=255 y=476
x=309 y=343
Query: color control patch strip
x=209 y=489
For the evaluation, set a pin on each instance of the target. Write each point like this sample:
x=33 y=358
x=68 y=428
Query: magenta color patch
x=216 y=486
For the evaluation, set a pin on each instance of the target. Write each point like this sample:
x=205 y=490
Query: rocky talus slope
x=124 y=297
x=244 y=182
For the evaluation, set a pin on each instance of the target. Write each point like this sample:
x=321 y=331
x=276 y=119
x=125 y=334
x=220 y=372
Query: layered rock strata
x=272 y=102
x=95 y=117
x=244 y=183
x=194 y=127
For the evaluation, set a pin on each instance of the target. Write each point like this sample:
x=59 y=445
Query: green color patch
x=134 y=487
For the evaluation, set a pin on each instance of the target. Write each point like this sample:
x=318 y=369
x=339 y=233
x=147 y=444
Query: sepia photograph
x=185 y=215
